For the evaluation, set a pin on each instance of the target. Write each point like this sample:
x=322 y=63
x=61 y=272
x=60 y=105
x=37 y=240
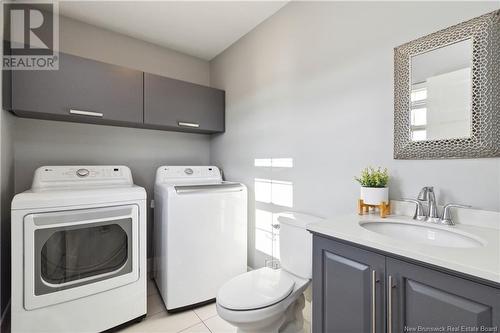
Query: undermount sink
x=424 y=233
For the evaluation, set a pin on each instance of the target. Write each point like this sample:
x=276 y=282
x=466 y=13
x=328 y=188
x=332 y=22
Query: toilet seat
x=255 y=289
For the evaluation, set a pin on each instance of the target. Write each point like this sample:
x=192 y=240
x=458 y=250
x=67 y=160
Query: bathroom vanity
x=400 y=275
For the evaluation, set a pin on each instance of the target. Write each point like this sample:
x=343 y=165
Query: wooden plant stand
x=384 y=208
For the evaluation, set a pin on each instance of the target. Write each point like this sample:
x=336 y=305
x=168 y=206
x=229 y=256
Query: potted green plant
x=374 y=188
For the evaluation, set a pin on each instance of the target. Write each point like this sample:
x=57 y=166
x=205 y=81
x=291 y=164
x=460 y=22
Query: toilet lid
x=255 y=289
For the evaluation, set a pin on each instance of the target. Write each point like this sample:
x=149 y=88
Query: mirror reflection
x=441 y=93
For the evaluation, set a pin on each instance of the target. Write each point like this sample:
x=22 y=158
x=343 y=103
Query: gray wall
x=95 y=43
x=39 y=142
x=315 y=83
x=6 y=193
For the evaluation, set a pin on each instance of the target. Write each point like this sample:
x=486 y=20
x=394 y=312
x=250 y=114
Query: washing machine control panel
x=82 y=172
x=55 y=176
x=187 y=172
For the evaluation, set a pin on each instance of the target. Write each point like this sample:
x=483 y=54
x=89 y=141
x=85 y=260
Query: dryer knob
x=82 y=172
x=188 y=171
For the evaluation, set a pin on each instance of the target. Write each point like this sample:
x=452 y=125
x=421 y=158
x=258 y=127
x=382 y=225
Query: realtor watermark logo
x=31 y=35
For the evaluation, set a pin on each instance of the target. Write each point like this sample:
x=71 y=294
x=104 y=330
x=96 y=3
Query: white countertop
x=482 y=262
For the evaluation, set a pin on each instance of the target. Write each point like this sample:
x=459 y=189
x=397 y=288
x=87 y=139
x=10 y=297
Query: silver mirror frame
x=484 y=140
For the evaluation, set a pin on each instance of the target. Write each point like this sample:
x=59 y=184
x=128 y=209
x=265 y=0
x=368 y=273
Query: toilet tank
x=296 y=243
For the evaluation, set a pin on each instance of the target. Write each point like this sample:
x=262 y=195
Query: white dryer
x=78 y=250
x=200 y=231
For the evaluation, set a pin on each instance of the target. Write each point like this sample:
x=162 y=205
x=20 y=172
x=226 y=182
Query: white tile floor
x=200 y=320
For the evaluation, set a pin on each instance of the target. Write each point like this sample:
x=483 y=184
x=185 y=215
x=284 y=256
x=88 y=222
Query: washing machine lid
x=255 y=289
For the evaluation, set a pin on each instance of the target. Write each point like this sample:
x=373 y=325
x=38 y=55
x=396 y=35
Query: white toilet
x=271 y=300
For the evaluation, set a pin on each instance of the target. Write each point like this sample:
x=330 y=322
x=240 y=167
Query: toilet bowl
x=258 y=301
x=271 y=300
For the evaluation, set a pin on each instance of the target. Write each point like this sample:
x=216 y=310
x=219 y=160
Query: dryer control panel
x=47 y=177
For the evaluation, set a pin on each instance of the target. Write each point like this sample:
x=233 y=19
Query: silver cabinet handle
x=86 y=113
x=374 y=302
x=389 y=306
x=186 y=124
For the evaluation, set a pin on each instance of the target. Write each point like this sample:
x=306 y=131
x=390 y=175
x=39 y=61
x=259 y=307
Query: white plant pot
x=374 y=195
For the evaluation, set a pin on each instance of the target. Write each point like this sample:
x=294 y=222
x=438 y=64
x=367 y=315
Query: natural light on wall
x=274 y=191
x=272 y=196
x=274 y=162
x=266 y=239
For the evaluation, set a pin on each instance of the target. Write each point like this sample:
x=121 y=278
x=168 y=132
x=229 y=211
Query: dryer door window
x=77 y=253
x=72 y=254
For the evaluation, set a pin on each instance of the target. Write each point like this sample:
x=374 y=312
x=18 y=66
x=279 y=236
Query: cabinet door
x=182 y=106
x=424 y=298
x=348 y=289
x=105 y=93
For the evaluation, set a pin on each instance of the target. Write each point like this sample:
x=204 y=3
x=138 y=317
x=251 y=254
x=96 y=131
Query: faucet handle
x=446 y=217
x=419 y=209
x=424 y=193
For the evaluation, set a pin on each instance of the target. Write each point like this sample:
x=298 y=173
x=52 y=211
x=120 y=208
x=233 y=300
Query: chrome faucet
x=431 y=215
x=427 y=193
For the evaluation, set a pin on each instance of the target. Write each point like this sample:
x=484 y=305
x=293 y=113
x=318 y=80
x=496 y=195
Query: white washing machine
x=78 y=250
x=200 y=233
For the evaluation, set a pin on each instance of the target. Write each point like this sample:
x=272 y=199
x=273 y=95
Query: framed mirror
x=447 y=92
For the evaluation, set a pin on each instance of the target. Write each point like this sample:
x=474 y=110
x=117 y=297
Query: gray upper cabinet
x=348 y=289
x=182 y=106
x=89 y=91
x=82 y=90
x=426 y=298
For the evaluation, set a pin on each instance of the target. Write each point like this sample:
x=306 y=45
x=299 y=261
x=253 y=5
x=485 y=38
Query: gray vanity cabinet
x=399 y=297
x=421 y=297
x=82 y=90
x=348 y=289
x=182 y=106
